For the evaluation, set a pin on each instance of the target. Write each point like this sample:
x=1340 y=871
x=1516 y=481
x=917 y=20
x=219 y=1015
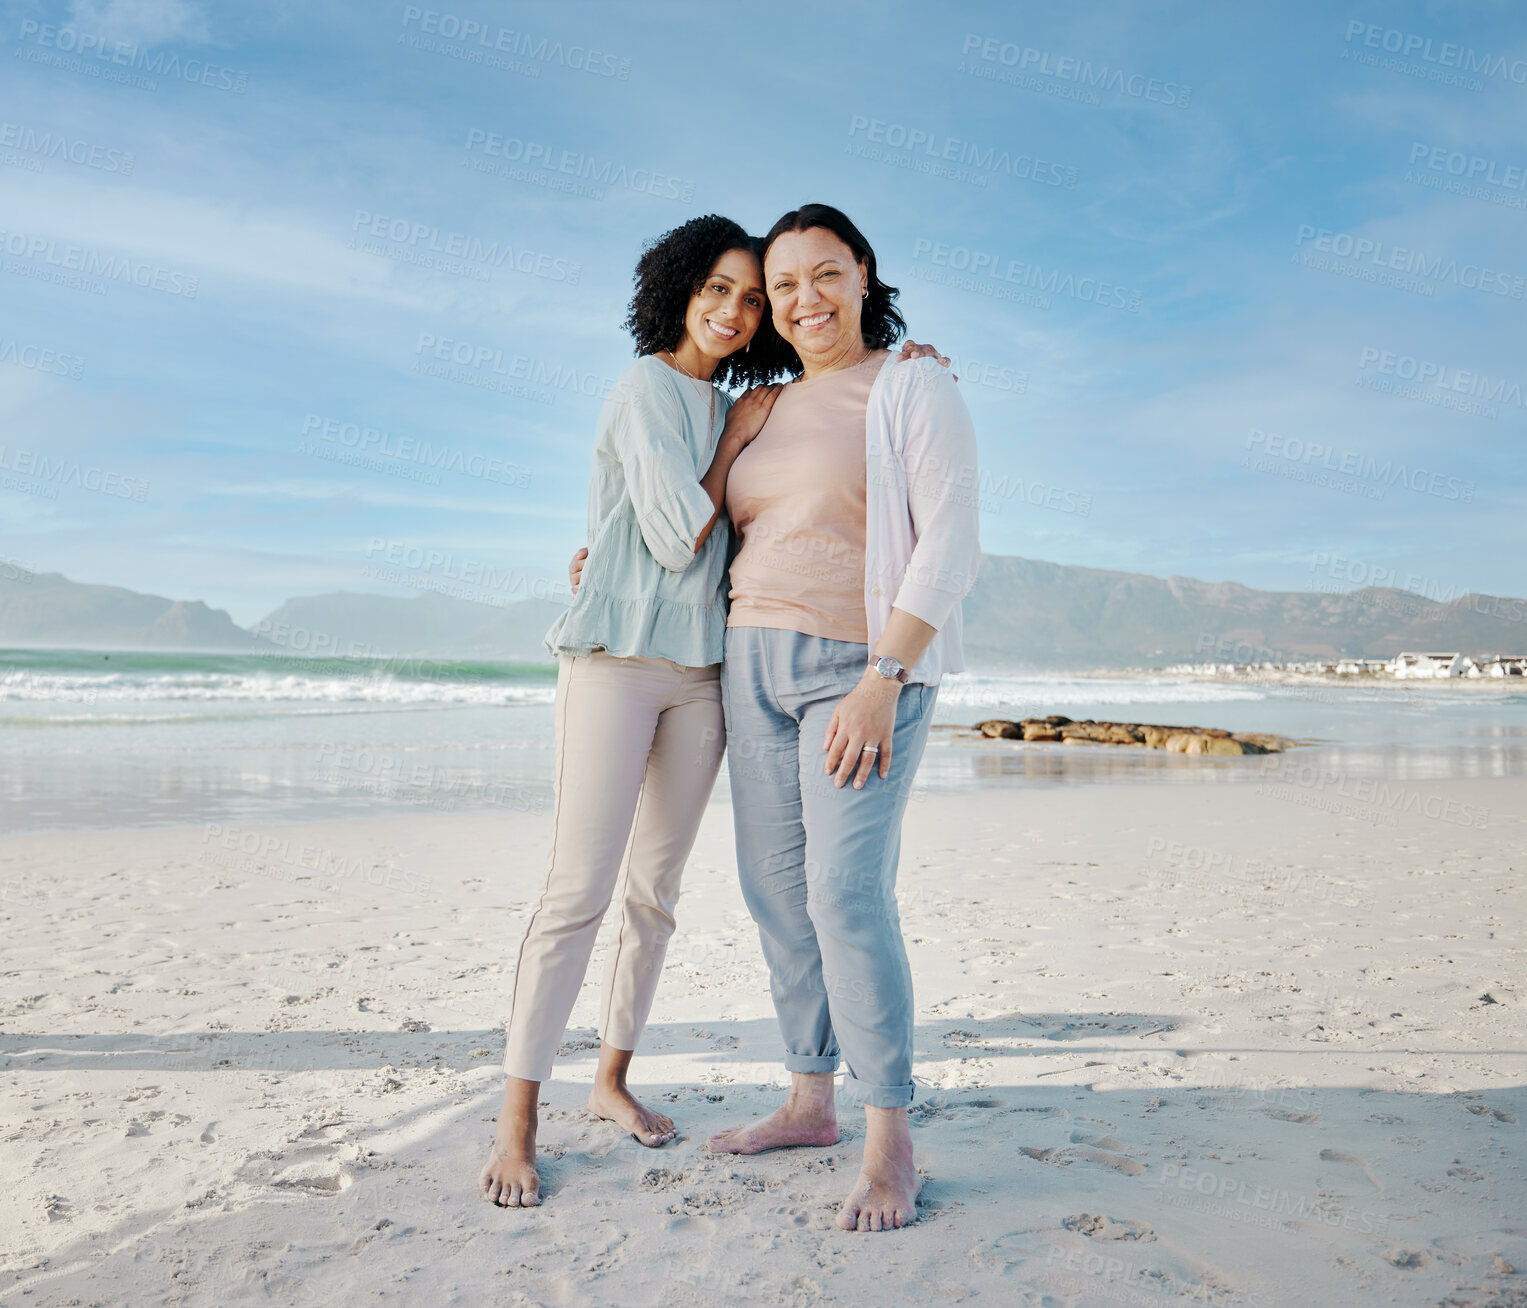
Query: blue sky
x=1237 y=291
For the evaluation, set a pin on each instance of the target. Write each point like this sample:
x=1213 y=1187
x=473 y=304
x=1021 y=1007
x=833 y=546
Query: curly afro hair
x=675 y=266
x=881 y=324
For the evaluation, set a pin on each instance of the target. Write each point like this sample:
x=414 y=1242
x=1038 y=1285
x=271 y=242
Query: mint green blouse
x=644 y=590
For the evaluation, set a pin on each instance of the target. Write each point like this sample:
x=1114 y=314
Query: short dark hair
x=881 y=324
x=672 y=268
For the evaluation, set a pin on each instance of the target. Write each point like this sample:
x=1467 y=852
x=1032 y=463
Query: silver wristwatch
x=890 y=668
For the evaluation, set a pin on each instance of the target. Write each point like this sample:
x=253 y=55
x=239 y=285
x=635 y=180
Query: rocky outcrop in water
x=1177 y=740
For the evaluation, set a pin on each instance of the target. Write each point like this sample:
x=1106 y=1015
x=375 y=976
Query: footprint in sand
x=705 y=1203
x=1114 y=1162
x=320 y=1182
x=598 y=1137
x=1097 y=1227
x=316 y=1169
x=1057 y=1157
x=1484 y=1110
x=1109 y=1024
x=935 y=1106
x=661 y=1178
x=1285 y=1115
x=1352 y=1160
x=1098 y=1141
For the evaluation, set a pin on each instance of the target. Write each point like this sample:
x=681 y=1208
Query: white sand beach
x=1176 y=1043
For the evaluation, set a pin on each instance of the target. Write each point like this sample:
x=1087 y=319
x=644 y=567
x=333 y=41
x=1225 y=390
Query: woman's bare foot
x=614 y=1103
x=885 y=1195
x=509 y=1179
x=807 y=1118
x=611 y=1100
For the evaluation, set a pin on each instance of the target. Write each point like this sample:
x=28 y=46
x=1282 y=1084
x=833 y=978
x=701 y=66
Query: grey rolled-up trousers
x=638 y=746
x=818 y=863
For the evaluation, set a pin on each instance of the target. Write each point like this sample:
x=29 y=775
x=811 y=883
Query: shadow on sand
x=1207 y=1185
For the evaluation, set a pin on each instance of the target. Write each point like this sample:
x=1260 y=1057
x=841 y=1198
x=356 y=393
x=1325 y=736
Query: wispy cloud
x=145 y=21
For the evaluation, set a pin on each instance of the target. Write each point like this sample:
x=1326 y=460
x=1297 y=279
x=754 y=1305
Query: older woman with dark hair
x=858 y=542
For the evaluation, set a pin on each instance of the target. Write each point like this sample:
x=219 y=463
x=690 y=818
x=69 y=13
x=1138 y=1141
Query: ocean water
x=106 y=741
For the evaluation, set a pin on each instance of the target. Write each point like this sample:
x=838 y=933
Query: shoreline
x=1356 y=682
x=959 y=762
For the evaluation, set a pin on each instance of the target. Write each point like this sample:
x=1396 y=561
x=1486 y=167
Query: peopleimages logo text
x=53 y=473
x=1443 y=376
x=969 y=154
x=129 y=54
x=1415 y=263
x=1469 y=167
x=459 y=245
x=92 y=263
x=412 y=449
x=1351 y=463
x=59 y=145
x=1445 y=54
x=505 y=40
x=1020 y=272
x=516 y=150
x=39 y=359
x=1067 y=68
x=519 y=368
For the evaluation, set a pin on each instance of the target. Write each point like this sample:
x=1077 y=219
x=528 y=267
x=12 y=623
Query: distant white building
x=1406 y=664
x=1502 y=665
x=1360 y=667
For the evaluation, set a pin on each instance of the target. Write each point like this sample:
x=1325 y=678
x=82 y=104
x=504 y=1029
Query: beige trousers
x=638 y=745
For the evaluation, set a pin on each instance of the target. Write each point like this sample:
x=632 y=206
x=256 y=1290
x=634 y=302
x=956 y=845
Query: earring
x=747 y=347
x=865 y=293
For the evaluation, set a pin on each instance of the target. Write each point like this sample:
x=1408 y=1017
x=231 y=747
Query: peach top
x=796 y=498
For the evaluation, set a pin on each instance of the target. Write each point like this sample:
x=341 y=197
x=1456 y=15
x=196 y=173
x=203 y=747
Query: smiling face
x=724 y=313
x=816 y=288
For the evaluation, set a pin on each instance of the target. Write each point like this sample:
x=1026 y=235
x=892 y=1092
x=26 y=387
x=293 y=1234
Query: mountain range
x=1022 y=612
x=1052 y=614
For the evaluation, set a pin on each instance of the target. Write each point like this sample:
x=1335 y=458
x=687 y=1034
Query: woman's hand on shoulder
x=912 y=350
x=748 y=415
x=575 y=568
